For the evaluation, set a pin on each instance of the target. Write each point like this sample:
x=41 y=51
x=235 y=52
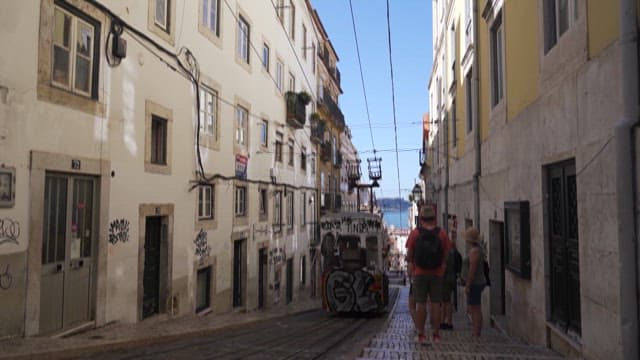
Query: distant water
x=397 y=218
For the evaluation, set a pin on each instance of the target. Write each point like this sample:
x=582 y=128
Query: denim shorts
x=475 y=295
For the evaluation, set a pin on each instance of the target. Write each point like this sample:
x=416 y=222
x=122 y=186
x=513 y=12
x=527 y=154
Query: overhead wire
x=364 y=91
x=393 y=100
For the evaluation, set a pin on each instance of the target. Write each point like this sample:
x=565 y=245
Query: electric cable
x=364 y=91
x=393 y=99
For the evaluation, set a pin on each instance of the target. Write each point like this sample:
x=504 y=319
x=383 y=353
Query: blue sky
x=412 y=58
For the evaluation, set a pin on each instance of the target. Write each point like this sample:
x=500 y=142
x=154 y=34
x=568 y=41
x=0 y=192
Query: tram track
x=310 y=335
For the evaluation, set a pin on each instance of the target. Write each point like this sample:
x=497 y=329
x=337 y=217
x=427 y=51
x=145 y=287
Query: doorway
x=563 y=247
x=289 y=280
x=238 y=272
x=262 y=276
x=68 y=251
x=154 y=257
x=496 y=265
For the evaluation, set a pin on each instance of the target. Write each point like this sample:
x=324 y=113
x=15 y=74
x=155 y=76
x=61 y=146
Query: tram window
x=372 y=250
x=349 y=242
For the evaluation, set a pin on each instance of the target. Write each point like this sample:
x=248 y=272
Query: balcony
x=333 y=109
x=325 y=151
x=326 y=60
x=338 y=201
x=318 y=127
x=338 y=163
x=326 y=204
x=296 y=108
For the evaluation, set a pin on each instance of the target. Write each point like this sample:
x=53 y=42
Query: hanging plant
x=304 y=97
x=314 y=116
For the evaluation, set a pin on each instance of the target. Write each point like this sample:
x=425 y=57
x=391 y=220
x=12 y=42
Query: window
x=559 y=15
x=263 y=201
x=303 y=269
x=278 y=150
x=292 y=24
x=291 y=152
x=517 y=238
x=313 y=57
x=290 y=210
x=241 y=201
x=158 y=140
x=242 y=115
x=208 y=111
x=292 y=82
x=264 y=133
x=303 y=209
x=280 y=10
x=469 y=101
x=74 y=50
x=334 y=150
x=243 y=39
x=277 y=209
x=210 y=15
x=203 y=290
x=162 y=14
x=205 y=202
x=313 y=163
x=279 y=75
x=303 y=159
x=496 y=61
x=452 y=55
x=304 y=42
x=454 y=124
x=265 y=56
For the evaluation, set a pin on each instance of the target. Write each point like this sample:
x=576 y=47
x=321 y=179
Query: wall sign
x=7 y=187
x=517 y=238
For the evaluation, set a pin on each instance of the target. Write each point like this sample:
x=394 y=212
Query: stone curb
x=84 y=349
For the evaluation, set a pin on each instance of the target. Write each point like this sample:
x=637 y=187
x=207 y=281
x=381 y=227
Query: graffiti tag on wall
x=277 y=257
x=349 y=225
x=350 y=291
x=6 y=279
x=119 y=231
x=9 y=231
x=202 y=245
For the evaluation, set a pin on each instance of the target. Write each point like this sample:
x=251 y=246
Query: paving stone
x=398 y=341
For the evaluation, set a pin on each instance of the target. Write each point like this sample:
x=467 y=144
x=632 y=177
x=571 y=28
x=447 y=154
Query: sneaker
x=436 y=338
x=422 y=340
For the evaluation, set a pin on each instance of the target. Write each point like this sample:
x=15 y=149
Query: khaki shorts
x=427 y=285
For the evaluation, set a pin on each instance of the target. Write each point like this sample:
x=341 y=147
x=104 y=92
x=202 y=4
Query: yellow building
x=533 y=113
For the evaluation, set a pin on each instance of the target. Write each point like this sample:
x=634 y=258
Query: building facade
x=156 y=159
x=528 y=101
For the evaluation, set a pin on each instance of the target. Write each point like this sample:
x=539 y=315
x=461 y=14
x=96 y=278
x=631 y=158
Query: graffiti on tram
x=356 y=291
x=350 y=225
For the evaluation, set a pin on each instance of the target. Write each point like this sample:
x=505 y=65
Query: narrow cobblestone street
x=397 y=341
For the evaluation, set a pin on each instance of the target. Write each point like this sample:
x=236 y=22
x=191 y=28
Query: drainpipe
x=446 y=172
x=625 y=171
x=476 y=116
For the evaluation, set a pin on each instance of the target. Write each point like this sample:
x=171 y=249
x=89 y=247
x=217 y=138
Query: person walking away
x=428 y=248
x=474 y=278
x=454 y=263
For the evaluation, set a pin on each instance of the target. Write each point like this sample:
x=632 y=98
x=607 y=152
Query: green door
x=69 y=233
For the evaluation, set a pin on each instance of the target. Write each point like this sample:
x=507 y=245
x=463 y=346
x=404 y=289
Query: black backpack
x=428 y=249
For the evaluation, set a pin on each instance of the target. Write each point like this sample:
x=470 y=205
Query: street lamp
x=417 y=193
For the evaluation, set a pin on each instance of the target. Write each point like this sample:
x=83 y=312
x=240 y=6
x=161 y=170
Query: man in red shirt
x=428 y=282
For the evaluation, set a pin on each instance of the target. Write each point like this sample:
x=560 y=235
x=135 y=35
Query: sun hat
x=427 y=213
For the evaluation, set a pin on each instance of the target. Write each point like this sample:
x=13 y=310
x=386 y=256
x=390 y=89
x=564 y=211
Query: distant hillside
x=393 y=203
